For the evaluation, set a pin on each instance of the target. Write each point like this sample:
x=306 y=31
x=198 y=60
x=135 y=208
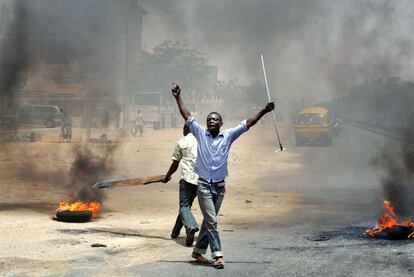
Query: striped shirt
x=212 y=153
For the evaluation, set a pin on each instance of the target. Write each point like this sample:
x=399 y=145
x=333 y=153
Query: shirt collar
x=208 y=133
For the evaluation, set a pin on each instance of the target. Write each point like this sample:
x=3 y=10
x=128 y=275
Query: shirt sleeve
x=177 y=155
x=235 y=132
x=196 y=129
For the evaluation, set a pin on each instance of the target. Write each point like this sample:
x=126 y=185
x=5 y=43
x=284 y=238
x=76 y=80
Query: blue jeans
x=210 y=197
x=188 y=192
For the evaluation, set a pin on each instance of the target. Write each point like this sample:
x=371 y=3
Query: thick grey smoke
x=14 y=54
x=398 y=180
x=90 y=165
x=53 y=42
x=314 y=49
x=47 y=48
x=89 y=168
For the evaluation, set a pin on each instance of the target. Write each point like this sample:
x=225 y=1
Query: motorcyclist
x=336 y=126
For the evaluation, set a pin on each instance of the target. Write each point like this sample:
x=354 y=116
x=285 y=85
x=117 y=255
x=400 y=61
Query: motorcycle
x=336 y=128
x=135 y=129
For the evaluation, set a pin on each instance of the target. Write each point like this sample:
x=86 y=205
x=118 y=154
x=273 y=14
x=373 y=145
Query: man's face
x=214 y=122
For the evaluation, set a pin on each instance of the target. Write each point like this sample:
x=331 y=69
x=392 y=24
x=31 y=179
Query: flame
x=71 y=205
x=389 y=220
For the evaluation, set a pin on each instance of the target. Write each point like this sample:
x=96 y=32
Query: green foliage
x=172 y=61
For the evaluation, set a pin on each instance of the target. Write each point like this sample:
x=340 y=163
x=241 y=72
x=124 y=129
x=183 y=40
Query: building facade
x=77 y=53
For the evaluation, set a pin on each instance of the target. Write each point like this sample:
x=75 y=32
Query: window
x=311 y=119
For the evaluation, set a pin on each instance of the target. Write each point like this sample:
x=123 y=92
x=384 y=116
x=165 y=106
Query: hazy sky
x=316 y=47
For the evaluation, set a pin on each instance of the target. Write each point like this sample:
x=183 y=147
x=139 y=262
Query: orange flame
x=93 y=206
x=389 y=220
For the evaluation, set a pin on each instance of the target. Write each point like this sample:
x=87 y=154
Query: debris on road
x=98 y=245
x=32 y=137
x=102 y=139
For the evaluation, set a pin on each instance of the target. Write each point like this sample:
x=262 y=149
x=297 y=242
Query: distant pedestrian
x=138 y=125
x=66 y=126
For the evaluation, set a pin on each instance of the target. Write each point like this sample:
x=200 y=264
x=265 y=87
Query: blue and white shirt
x=212 y=153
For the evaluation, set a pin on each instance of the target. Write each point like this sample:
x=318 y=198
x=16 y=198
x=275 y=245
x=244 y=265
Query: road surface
x=301 y=212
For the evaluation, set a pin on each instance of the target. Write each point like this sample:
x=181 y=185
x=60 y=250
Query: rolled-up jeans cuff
x=199 y=251
x=217 y=254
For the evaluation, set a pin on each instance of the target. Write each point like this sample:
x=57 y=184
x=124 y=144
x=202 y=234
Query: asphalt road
x=341 y=195
x=335 y=195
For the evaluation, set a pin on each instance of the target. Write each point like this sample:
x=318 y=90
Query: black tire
x=336 y=131
x=49 y=123
x=328 y=142
x=74 y=216
x=134 y=130
x=398 y=232
x=299 y=142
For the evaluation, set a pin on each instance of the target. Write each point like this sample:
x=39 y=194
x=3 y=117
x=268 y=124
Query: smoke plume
x=14 y=55
x=314 y=49
x=89 y=168
x=398 y=180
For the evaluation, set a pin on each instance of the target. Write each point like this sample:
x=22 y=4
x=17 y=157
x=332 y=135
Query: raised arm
x=185 y=113
x=268 y=108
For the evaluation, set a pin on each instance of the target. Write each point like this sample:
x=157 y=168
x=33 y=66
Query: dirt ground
x=135 y=222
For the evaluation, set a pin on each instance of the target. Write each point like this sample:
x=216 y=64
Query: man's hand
x=165 y=179
x=269 y=107
x=176 y=90
x=185 y=113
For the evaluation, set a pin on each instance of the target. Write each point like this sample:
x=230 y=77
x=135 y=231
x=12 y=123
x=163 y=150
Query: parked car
x=313 y=126
x=7 y=120
x=48 y=116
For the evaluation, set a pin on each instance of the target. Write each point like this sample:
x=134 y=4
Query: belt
x=219 y=183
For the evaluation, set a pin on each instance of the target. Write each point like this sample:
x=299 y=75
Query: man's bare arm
x=268 y=108
x=185 y=113
x=173 y=168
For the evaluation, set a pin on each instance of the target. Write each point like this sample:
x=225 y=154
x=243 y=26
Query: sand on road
x=135 y=222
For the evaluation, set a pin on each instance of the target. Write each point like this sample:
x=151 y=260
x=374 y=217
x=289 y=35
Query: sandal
x=199 y=258
x=219 y=263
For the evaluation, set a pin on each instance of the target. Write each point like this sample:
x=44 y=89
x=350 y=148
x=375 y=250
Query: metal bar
x=270 y=100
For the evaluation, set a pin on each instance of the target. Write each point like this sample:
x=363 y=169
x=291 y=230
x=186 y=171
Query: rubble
x=32 y=137
x=102 y=139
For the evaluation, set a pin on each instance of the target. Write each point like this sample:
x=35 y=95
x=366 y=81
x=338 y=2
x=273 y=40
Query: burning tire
x=74 y=216
x=390 y=227
x=397 y=232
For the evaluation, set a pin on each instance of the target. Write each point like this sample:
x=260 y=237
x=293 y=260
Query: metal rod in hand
x=270 y=100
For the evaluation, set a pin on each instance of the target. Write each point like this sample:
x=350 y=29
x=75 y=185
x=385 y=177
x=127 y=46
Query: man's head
x=214 y=122
x=138 y=111
x=186 y=130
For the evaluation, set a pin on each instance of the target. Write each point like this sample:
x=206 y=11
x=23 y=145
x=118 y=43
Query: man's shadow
x=181 y=241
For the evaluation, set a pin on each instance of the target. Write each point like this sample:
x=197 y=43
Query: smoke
x=14 y=54
x=314 y=49
x=89 y=168
x=59 y=46
x=89 y=165
x=398 y=180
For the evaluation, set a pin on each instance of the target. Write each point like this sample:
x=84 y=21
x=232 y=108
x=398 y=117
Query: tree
x=172 y=61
